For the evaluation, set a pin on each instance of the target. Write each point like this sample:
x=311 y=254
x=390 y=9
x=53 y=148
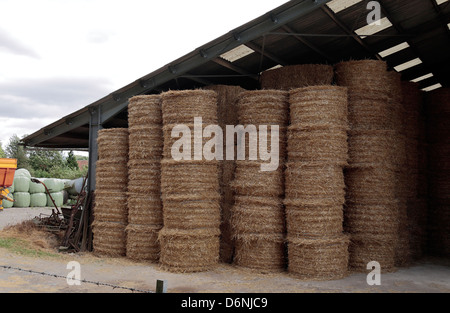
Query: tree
x=71 y=161
x=16 y=151
x=43 y=160
x=2 y=152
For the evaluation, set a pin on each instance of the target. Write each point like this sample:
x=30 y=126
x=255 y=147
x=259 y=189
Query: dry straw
x=182 y=106
x=142 y=242
x=297 y=76
x=189 y=250
x=318 y=258
x=144 y=110
x=319 y=107
x=264 y=107
x=109 y=238
x=261 y=252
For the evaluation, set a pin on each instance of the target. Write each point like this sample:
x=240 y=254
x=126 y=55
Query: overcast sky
x=57 y=56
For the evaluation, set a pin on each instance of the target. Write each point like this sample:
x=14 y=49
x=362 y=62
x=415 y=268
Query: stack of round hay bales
x=297 y=76
x=227 y=97
x=402 y=250
x=258 y=213
x=315 y=187
x=110 y=208
x=371 y=211
x=144 y=175
x=438 y=134
x=189 y=188
x=415 y=167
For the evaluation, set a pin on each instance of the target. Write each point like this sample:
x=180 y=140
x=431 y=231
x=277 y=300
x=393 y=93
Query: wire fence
x=80 y=280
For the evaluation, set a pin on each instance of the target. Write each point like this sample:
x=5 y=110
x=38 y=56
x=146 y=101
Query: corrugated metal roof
x=298 y=32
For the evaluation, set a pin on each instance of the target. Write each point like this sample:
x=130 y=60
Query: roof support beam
x=233 y=67
x=333 y=16
x=265 y=53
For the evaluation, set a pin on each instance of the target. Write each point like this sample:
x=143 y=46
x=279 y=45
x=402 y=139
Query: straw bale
x=109 y=238
x=402 y=247
x=319 y=107
x=144 y=110
x=318 y=258
x=439 y=184
x=439 y=129
x=191 y=250
x=181 y=106
x=189 y=177
x=372 y=114
x=258 y=217
x=366 y=248
x=251 y=181
x=297 y=76
x=145 y=142
x=113 y=144
x=144 y=209
x=142 y=242
x=314 y=220
x=264 y=107
x=260 y=252
x=374 y=148
x=395 y=86
x=190 y=214
x=316 y=146
x=372 y=219
x=314 y=182
x=439 y=157
x=227 y=98
x=111 y=208
x=412 y=97
x=438 y=101
x=370 y=185
x=363 y=76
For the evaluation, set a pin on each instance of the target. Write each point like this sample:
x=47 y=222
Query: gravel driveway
x=13 y=216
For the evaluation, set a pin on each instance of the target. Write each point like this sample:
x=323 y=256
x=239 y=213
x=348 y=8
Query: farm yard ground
x=22 y=273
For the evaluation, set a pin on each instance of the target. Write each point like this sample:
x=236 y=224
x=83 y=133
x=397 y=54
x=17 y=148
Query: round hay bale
x=113 y=144
x=261 y=252
x=38 y=199
x=264 y=107
x=395 y=86
x=325 y=146
x=21 y=183
x=247 y=216
x=370 y=185
x=251 y=181
x=314 y=220
x=110 y=207
x=36 y=187
x=227 y=97
x=297 y=76
x=439 y=157
x=364 y=76
x=371 y=114
x=145 y=142
x=413 y=97
x=367 y=248
x=142 y=242
x=109 y=238
x=191 y=250
x=318 y=258
x=374 y=219
x=144 y=110
x=314 y=182
x=8 y=204
x=144 y=209
x=189 y=177
x=438 y=101
x=319 y=107
x=182 y=106
x=374 y=148
x=21 y=199
x=188 y=214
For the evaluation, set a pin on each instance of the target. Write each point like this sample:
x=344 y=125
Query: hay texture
x=297 y=76
x=258 y=215
x=110 y=206
x=190 y=193
x=318 y=258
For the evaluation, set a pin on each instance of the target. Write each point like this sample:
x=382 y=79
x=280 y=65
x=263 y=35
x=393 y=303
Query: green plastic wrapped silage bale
x=22 y=199
x=11 y=188
x=8 y=204
x=21 y=184
x=58 y=197
x=22 y=172
x=54 y=184
x=36 y=187
x=38 y=199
